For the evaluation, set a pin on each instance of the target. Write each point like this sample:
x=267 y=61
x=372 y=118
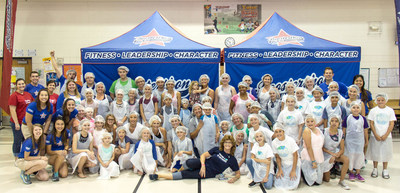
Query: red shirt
x=21 y=101
x=53 y=101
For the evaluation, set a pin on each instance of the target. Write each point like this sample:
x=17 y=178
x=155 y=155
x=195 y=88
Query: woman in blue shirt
x=38 y=112
x=68 y=112
x=219 y=159
x=29 y=159
x=57 y=145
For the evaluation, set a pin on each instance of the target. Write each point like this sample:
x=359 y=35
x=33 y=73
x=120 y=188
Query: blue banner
x=296 y=72
x=182 y=73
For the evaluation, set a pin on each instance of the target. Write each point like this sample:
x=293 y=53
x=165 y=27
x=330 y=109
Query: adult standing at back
x=328 y=75
x=89 y=83
x=124 y=83
x=204 y=80
x=18 y=102
x=71 y=74
x=34 y=87
x=263 y=93
x=223 y=95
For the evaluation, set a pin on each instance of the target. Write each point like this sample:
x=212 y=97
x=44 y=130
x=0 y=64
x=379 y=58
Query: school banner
x=286 y=72
x=9 y=26
x=182 y=73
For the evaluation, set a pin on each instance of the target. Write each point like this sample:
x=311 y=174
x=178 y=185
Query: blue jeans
x=267 y=185
x=18 y=139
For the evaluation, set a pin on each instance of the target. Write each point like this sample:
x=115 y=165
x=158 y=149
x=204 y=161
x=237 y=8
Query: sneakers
x=385 y=174
x=253 y=184
x=374 y=173
x=55 y=177
x=25 y=178
x=352 y=177
x=360 y=178
x=153 y=177
x=344 y=185
x=332 y=175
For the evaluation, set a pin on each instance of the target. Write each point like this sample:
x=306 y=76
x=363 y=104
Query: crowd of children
x=275 y=140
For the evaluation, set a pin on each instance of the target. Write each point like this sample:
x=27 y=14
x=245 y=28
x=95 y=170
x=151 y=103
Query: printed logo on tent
x=284 y=38
x=153 y=37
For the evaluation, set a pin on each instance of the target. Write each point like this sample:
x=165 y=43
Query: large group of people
x=314 y=132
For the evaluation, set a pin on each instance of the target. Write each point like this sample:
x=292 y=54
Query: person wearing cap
x=268 y=120
x=238 y=101
x=175 y=95
x=71 y=74
x=194 y=131
x=328 y=75
x=285 y=149
x=119 y=108
x=308 y=88
x=333 y=108
x=247 y=79
x=334 y=86
x=103 y=100
x=333 y=150
x=124 y=83
x=89 y=83
x=160 y=89
x=208 y=129
x=316 y=107
x=204 y=80
x=380 y=149
x=263 y=93
x=183 y=148
x=140 y=82
x=223 y=95
x=353 y=95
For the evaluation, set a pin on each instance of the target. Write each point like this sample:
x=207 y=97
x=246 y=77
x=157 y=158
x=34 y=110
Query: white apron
x=240 y=107
x=124 y=159
x=166 y=124
x=125 y=88
x=74 y=159
x=103 y=107
x=224 y=100
x=208 y=131
x=331 y=146
x=113 y=168
x=143 y=158
x=148 y=109
x=263 y=98
x=159 y=150
x=354 y=143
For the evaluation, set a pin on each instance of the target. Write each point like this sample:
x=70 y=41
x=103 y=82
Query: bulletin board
x=388 y=77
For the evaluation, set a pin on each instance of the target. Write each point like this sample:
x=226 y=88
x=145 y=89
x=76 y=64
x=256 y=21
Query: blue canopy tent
x=289 y=54
x=151 y=49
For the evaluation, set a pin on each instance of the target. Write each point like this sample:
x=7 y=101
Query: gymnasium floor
x=128 y=182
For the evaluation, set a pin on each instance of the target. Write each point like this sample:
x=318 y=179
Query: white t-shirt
x=302 y=106
x=316 y=108
x=267 y=133
x=264 y=152
x=291 y=121
x=285 y=149
x=382 y=118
